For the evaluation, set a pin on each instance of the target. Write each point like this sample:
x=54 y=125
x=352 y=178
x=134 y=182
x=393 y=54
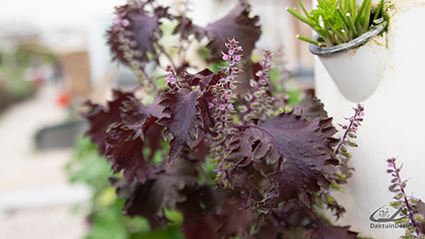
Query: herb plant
x=412 y=209
x=222 y=148
x=338 y=21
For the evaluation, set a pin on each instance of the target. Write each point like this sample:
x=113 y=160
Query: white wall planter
x=356 y=77
x=394 y=122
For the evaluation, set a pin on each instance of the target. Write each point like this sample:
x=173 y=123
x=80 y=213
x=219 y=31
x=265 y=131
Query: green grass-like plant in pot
x=342 y=43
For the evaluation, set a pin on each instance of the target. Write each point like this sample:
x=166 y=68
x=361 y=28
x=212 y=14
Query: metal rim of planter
x=322 y=51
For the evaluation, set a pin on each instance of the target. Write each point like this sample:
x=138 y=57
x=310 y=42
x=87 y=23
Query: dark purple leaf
x=332 y=205
x=200 y=151
x=310 y=109
x=235 y=218
x=199 y=229
x=205 y=79
x=140 y=31
x=184 y=120
x=139 y=117
x=292 y=214
x=143 y=200
x=169 y=189
x=237 y=24
x=154 y=141
x=186 y=28
x=126 y=154
x=101 y=117
x=332 y=232
x=245 y=179
x=304 y=147
x=285 y=220
x=197 y=220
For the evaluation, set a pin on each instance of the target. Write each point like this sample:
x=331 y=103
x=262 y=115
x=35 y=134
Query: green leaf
x=414 y=201
x=398 y=196
x=419 y=217
x=393 y=187
x=329 y=199
x=396 y=204
x=410 y=230
x=352 y=144
x=348 y=155
x=401 y=220
x=335 y=186
x=340 y=176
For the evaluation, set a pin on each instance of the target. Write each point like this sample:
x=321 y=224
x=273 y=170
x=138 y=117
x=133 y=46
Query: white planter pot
x=356 y=67
x=393 y=125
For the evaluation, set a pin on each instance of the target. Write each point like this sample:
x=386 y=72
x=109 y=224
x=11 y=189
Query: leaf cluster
x=272 y=168
x=338 y=21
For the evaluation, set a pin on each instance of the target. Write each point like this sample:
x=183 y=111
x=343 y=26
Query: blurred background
x=53 y=56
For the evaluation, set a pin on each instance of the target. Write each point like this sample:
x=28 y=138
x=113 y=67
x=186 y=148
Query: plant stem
x=338 y=33
x=152 y=82
x=359 y=13
x=352 y=26
x=298 y=15
x=309 y=40
x=304 y=10
x=161 y=48
x=366 y=22
x=378 y=10
x=327 y=36
x=353 y=8
x=353 y=119
x=349 y=22
x=406 y=201
x=315 y=216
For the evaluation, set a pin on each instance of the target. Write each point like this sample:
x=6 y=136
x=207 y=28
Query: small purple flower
x=225 y=57
x=222 y=107
x=240 y=48
x=125 y=22
x=230 y=107
x=361 y=114
x=214 y=100
x=116 y=21
x=210 y=105
x=227 y=97
x=269 y=59
x=231 y=52
x=237 y=57
x=170 y=80
x=272 y=66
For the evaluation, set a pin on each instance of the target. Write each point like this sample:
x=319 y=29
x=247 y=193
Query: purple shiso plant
x=222 y=148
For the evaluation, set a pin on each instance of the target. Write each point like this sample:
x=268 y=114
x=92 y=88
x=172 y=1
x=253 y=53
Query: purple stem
x=356 y=114
x=406 y=201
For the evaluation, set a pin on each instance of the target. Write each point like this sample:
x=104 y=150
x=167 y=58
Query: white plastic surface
x=393 y=126
x=358 y=72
